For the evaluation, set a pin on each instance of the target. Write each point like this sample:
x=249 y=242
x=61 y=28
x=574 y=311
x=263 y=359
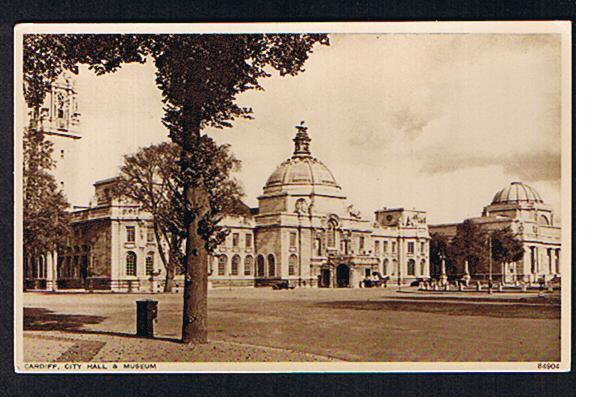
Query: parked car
x=282 y=285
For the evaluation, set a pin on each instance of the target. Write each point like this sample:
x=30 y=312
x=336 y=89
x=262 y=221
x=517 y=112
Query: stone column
x=52 y=271
x=443 y=276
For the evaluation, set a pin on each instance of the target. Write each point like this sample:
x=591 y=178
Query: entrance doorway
x=325 y=278
x=342 y=276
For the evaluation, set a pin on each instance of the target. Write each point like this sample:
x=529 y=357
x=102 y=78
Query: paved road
x=343 y=324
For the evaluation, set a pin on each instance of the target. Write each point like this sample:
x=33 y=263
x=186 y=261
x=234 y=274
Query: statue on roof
x=301 y=141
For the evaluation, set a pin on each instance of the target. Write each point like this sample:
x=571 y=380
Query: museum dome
x=301 y=169
x=517 y=192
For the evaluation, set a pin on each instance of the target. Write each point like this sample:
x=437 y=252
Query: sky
x=438 y=122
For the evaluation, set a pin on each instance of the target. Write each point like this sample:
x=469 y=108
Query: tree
x=150 y=177
x=470 y=244
x=440 y=247
x=505 y=246
x=199 y=76
x=45 y=219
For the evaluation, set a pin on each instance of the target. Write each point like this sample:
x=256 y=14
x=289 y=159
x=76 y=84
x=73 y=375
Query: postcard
x=293 y=197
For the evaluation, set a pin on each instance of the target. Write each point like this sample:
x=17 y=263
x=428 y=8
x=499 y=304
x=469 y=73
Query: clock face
x=389 y=218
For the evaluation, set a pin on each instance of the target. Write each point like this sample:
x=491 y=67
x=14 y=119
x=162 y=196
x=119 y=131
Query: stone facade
x=522 y=209
x=304 y=231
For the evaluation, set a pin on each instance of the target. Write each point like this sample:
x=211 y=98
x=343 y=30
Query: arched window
x=260 y=265
x=411 y=267
x=271 y=264
x=222 y=265
x=331 y=234
x=292 y=264
x=544 y=220
x=234 y=265
x=248 y=265
x=150 y=263
x=130 y=263
x=385 y=267
x=422 y=264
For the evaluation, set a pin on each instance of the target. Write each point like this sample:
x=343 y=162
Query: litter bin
x=146 y=313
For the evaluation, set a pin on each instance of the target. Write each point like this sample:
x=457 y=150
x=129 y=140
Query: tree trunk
x=195 y=293
x=171 y=269
x=169 y=279
x=196 y=277
x=168 y=263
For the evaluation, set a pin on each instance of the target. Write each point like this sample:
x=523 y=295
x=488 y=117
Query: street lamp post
x=443 y=276
x=490 y=268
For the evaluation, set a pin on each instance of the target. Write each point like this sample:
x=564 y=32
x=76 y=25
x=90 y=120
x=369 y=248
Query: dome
x=517 y=192
x=301 y=169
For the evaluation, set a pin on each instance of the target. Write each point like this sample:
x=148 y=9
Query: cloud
x=544 y=166
x=412 y=121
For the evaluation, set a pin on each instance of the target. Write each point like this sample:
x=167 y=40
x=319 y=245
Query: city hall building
x=304 y=231
x=520 y=208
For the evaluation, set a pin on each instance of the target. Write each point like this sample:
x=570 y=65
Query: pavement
x=245 y=324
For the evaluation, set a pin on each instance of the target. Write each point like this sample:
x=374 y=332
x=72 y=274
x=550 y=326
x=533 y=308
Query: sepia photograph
x=293 y=197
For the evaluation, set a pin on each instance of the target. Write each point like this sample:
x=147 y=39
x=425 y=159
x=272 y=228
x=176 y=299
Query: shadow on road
x=500 y=310
x=42 y=319
x=439 y=296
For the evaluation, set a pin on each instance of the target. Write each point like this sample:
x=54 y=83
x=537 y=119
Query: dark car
x=282 y=285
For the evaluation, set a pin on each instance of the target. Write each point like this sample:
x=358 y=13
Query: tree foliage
x=440 y=247
x=505 y=246
x=470 y=244
x=150 y=178
x=45 y=220
x=474 y=244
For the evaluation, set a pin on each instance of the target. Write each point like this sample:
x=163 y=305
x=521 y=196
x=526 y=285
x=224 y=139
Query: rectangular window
x=235 y=239
x=249 y=240
x=385 y=247
x=361 y=243
x=292 y=239
x=318 y=247
x=422 y=247
x=394 y=249
x=131 y=233
x=410 y=247
x=376 y=247
x=150 y=235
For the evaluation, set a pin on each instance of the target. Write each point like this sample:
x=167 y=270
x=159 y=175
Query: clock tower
x=60 y=121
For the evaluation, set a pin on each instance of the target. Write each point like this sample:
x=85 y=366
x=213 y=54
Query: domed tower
x=521 y=207
x=301 y=182
x=300 y=202
x=520 y=201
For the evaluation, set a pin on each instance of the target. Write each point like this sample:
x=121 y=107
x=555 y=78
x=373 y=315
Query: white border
x=531 y=27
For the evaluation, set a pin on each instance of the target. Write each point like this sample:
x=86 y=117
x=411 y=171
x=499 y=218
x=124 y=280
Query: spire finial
x=301 y=141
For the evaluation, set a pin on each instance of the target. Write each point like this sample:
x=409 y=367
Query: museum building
x=520 y=208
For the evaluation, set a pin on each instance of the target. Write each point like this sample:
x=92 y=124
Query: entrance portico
x=346 y=271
